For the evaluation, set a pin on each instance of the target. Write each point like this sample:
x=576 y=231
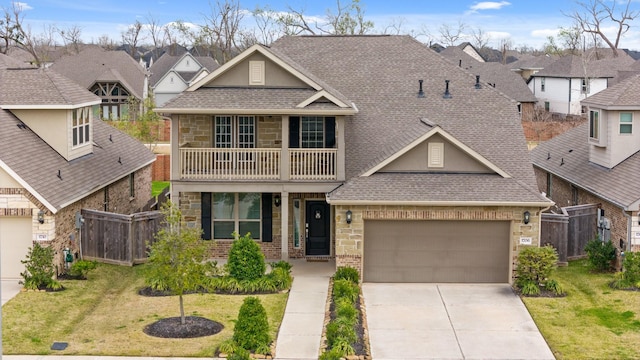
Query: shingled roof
x=36 y=164
x=580 y=67
x=380 y=75
x=625 y=94
x=166 y=62
x=95 y=64
x=567 y=156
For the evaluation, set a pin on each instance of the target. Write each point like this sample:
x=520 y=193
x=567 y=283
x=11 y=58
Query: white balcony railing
x=256 y=164
x=228 y=164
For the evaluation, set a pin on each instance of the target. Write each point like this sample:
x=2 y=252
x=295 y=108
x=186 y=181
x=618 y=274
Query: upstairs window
x=542 y=81
x=626 y=123
x=312 y=132
x=115 y=101
x=594 y=125
x=585 y=86
x=235 y=132
x=81 y=122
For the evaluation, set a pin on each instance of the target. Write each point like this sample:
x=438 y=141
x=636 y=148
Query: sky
x=520 y=21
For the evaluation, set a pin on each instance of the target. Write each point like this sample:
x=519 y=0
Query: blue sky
x=519 y=20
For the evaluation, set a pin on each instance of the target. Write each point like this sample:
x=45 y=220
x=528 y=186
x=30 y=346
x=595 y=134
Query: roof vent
x=460 y=63
x=447 y=94
x=119 y=160
x=478 y=86
x=420 y=91
x=110 y=139
x=59 y=175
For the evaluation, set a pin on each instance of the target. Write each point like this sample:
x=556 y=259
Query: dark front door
x=318 y=220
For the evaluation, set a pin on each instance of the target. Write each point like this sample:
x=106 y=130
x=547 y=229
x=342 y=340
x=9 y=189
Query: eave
x=337 y=112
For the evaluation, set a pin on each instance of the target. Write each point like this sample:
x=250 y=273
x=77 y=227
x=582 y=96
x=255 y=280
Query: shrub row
x=341 y=330
x=535 y=265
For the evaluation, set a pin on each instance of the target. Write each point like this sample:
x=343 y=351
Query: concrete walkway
x=10 y=288
x=450 y=321
x=301 y=329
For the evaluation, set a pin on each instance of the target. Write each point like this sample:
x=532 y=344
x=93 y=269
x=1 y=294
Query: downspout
x=569 y=104
x=628 y=229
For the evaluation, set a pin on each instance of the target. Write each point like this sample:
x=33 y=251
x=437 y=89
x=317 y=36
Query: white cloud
x=23 y=6
x=489 y=5
x=498 y=35
x=544 y=33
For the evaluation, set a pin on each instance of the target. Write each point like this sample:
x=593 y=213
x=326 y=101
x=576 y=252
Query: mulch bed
x=359 y=346
x=194 y=326
x=71 y=277
x=543 y=293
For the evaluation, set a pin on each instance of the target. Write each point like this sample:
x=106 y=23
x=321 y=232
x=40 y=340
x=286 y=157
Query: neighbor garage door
x=436 y=251
x=15 y=241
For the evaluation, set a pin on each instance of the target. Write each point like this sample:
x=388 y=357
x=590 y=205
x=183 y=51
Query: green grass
x=157 y=187
x=593 y=321
x=105 y=316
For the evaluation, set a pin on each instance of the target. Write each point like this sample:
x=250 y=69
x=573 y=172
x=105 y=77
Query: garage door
x=15 y=241
x=436 y=251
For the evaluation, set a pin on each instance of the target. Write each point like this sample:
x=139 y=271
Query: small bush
x=600 y=254
x=348 y=273
x=281 y=278
x=554 y=287
x=333 y=354
x=251 y=331
x=39 y=269
x=535 y=264
x=81 y=268
x=281 y=265
x=246 y=260
x=344 y=308
x=341 y=329
x=343 y=288
x=530 y=288
x=240 y=354
x=630 y=276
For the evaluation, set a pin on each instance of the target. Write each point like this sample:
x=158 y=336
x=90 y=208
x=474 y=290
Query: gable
x=6 y=181
x=171 y=82
x=436 y=154
x=274 y=74
x=187 y=63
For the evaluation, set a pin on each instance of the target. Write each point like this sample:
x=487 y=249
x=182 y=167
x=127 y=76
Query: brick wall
x=161 y=168
x=349 y=247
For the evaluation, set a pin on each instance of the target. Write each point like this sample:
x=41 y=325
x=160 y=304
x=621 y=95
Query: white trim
x=50 y=107
x=440 y=203
x=322 y=94
x=341 y=111
x=244 y=55
x=27 y=187
x=450 y=138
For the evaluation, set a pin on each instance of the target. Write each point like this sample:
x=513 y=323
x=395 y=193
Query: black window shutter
x=205 y=201
x=329 y=132
x=266 y=218
x=294 y=132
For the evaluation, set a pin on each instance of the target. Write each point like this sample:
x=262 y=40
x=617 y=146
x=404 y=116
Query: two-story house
x=599 y=161
x=172 y=74
x=120 y=81
x=373 y=150
x=56 y=158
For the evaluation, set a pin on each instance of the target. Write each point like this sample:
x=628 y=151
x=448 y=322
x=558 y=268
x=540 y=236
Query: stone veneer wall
x=59 y=229
x=197 y=131
x=561 y=194
x=350 y=237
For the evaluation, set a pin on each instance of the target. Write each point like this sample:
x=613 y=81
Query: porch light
x=349 y=216
x=41 y=217
x=277 y=200
x=526 y=217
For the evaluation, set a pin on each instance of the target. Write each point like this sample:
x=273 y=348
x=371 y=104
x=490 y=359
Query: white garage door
x=15 y=241
x=436 y=251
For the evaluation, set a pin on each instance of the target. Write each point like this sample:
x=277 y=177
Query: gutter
x=441 y=203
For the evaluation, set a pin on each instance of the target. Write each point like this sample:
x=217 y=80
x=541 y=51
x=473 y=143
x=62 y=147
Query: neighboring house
x=500 y=77
x=300 y=145
x=599 y=161
x=171 y=75
x=56 y=159
x=119 y=80
x=561 y=86
x=527 y=65
x=471 y=51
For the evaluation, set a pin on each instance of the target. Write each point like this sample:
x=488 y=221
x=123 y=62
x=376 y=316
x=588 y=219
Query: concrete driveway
x=450 y=321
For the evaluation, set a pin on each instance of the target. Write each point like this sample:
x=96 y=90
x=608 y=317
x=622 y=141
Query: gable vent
x=436 y=155
x=256 y=73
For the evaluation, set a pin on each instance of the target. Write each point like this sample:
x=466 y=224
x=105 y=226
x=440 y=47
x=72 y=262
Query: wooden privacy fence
x=570 y=231
x=117 y=238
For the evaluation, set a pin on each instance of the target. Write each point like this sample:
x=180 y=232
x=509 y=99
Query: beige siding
x=51 y=126
x=275 y=75
x=7 y=181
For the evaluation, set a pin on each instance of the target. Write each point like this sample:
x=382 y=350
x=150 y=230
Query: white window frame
x=594 y=126
x=81 y=126
x=313 y=136
x=237 y=138
x=625 y=123
x=236 y=218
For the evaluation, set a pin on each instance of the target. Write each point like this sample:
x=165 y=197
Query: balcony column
x=284 y=153
x=174 y=163
x=340 y=156
x=284 y=224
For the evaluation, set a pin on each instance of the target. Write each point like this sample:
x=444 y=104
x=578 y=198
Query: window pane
x=223 y=229
x=249 y=206
x=594 y=125
x=223 y=131
x=252 y=227
x=246 y=132
x=312 y=132
x=223 y=204
x=75 y=136
x=86 y=132
x=625 y=129
x=626 y=117
x=114 y=112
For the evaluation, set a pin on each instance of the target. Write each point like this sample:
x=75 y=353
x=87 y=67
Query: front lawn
x=593 y=321
x=105 y=316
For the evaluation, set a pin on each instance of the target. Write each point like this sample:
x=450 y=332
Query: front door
x=318 y=220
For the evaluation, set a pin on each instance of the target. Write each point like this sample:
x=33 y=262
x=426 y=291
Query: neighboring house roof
x=567 y=156
x=30 y=88
x=95 y=64
x=388 y=108
x=36 y=165
x=579 y=67
x=622 y=96
x=9 y=62
x=531 y=62
x=166 y=62
x=496 y=74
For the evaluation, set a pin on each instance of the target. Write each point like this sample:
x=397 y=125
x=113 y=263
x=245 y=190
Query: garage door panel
x=436 y=251
x=15 y=241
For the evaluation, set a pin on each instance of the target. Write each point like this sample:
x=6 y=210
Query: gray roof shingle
x=625 y=93
x=166 y=62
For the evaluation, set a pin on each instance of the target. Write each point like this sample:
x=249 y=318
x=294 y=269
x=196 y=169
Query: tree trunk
x=182 y=321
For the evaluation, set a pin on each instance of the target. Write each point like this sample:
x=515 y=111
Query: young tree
x=480 y=38
x=132 y=37
x=451 y=35
x=179 y=258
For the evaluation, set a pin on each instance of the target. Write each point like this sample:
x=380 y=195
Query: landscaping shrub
x=553 y=286
x=281 y=265
x=39 y=269
x=535 y=264
x=240 y=354
x=281 y=278
x=343 y=288
x=341 y=329
x=251 y=331
x=344 y=308
x=246 y=260
x=600 y=254
x=348 y=273
x=81 y=268
x=630 y=276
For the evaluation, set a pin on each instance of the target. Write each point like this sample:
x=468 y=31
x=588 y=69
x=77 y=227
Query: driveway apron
x=450 y=321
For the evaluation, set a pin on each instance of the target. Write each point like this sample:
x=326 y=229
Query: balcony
x=257 y=164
